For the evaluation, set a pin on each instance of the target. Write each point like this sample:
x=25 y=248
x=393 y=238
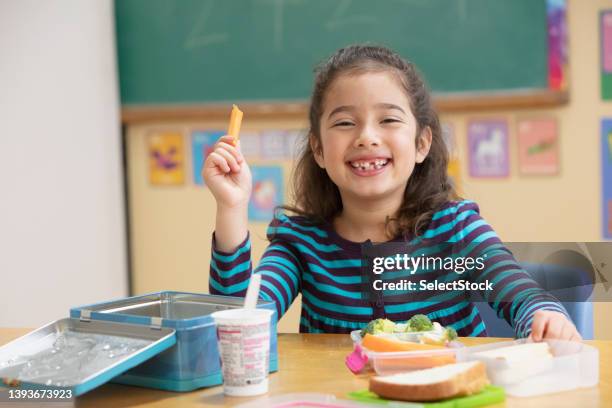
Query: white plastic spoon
x=250 y=300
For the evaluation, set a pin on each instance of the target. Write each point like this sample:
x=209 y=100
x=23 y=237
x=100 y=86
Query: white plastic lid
x=237 y=317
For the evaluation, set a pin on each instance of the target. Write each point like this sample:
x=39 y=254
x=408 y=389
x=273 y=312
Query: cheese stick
x=234 y=124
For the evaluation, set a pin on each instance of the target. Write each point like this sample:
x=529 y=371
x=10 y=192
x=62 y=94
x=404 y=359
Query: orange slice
x=383 y=344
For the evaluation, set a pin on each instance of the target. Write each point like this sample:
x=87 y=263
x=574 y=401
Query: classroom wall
x=172 y=226
x=61 y=208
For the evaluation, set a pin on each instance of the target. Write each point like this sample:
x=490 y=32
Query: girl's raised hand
x=227 y=174
x=553 y=325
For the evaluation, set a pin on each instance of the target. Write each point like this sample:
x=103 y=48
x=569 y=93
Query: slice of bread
x=452 y=380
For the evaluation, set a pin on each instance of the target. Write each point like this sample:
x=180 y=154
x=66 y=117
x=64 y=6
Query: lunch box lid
x=130 y=309
x=146 y=342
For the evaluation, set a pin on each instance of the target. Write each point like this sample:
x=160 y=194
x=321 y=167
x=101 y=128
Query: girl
x=373 y=168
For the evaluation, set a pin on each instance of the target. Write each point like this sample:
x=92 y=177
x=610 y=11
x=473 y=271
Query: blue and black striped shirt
x=327 y=270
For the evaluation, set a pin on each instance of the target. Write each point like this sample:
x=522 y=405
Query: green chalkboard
x=195 y=51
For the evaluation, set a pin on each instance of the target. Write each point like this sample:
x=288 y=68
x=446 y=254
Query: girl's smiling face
x=368 y=131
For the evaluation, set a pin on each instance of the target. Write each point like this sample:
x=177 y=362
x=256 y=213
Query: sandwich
x=438 y=383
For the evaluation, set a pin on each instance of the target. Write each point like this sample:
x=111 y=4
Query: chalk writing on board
x=278 y=26
x=198 y=37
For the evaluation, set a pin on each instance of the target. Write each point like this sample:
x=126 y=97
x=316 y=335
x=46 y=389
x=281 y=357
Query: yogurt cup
x=243 y=337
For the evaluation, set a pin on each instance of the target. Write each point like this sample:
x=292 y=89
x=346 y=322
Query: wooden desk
x=315 y=363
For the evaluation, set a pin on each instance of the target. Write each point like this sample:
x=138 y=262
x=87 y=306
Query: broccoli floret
x=419 y=323
x=369 y=329
x=388 y=326
x=450 y=334
x=378 y=326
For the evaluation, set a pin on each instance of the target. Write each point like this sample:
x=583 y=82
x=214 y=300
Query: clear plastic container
x=385 y=363
x=573 y=365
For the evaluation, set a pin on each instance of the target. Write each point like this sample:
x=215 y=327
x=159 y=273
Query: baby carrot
x=234 y=124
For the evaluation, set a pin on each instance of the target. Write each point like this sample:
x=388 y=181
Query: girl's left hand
x=553 y=325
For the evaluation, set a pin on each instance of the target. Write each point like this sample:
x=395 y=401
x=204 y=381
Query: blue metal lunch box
x=193 y=362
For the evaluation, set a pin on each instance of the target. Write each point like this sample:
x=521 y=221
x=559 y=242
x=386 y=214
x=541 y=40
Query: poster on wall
x=250 y=144
x=294 y=142
x=605 y=24
x=273 y=144
x=538 y=146
x=166 y=153
x=448 y=136
x=606 y=176
x=556 y=19
x=267 y=192
x=454 y=164
x=202 y=143
x=488 y=148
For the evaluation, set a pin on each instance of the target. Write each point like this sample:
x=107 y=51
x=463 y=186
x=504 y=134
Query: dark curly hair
x=314 y=194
